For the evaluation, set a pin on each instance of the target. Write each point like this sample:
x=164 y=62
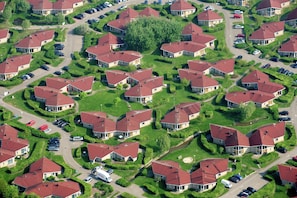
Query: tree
x=185 y=82
x=148 y=32
x=164 y=143
x=116 y=101
x=7 y=13
x=26 y=24
x=81 y=30
x=246 y=111
x=60 y=18
x=49 y=19
x=22 y=6
x=82 y=95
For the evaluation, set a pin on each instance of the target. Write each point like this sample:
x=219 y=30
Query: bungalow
x=188 y=48
x=260 y=81
x=35 y=41
x=272 y=7
x=182 y=8
x=116 y=58
x=39 y=171
x=144 y=90
x=190 y=30
x=291 y=19
x=203 y=179
x=287 y=174
x=4 y=34
x=260 y=98
x=199 y=83
x=11 y=146
x=110 y=39
x=46 y=7
x=204 y=39
x=234 y=141
x=2 y=6
x=289 y=48
x=53 y=99
x=267 y=33
x=238 y=2
x=209 y=18
x=149 y=12
x=222 y=67
x=179 y=118
x=126 y=151
x=11 y=66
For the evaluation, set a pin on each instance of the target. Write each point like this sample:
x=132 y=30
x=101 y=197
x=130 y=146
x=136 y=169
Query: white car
x=208 y=8
x=238 y=12
x=238 y=26
x=239 y=41
x=47 y=130
x=88 y=179
x=256 y=52
x=107 y=4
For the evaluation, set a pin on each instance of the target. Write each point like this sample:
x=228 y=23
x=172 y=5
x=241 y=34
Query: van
x=77 y=138
x=103 y=175
x=226 y=183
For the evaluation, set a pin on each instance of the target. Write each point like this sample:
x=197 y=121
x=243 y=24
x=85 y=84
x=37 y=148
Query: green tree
x=148 y=32
x=26 y=24
x=22 y=6
x=185 y=82
x=116 y=101
x=246 y=111
x=49 y=19
x=60 y=18
x=7 y=13
x=81 y=30
x=82 y=95
x=164 y=143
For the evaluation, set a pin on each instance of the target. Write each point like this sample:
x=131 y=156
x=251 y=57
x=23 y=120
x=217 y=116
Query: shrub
x=123 y=182
x=104 y=187
x=126 y=195
x=172 y=88
x=152 y=189
x=148 y=155
x=208 y=146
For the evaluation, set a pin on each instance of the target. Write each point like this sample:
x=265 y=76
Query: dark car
x=294 y=65
x=31 y=75
x=243 y=194
x=281 y=70
x=58 y=73
x=58 y=53
x=282 y=149
x=79 y=16
x=102 y=16
x=59 y=46
x=65 y=68
x=234 y=179
x=90 y=11
x=239 y=57
x=274 y=59
x=45 y=67
x=109 y=171
x=247 y=192
x=283 y=113
x=284 y=119
x=266 y=66
x=238 y=176
x=251 y=189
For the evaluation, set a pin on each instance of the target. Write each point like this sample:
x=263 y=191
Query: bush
x=126 y=195
x=172 y=88
x=152 y=189
x=123 y=182
x=148 y=155
x=208 y=146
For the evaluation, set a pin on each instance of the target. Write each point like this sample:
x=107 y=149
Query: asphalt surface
x=74 y=43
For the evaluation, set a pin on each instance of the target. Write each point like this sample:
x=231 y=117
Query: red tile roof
x=221 y=132
x=12 y=64
x=127 y=124
x=119 y=24
x=110 y=39
x=214 y=166
x=6 y=155
x=29 y=179
x=55 y=189
x=123 y=56
x=289 y=46
x=254 y=77
x=202 y=38
x=2 y=6
x=91 y=117
x=237 y=139
x=270 y=4
x=292 y=15
x=104 y=125
x=98 y=50
x=199 y=176
x=52 y=96
x=267 y=30
x=4 y=33
x=35 y=39
x=128 y=13
x=142 y=74
x=191 y=29
x=190 y=107
x=204 y=81
x=84 y=83
x=126 y=149
x=189 y=74
x=260 y=137
x=208 y=15
x=247 y=96
x=149 y=12
x=45 y=165
x=115 y=76
x=6 y=131
x=198 y=65
x=270 y=87
x=287 y=173
x=144 y=88
x=140 y=115
x=48 y=5
x=57 y=83
x=225 y=66
x=180 y=5
x=274 y=130
x=189 y=46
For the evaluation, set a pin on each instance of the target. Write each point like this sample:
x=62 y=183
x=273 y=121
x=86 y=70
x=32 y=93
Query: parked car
x=239 y=41
x=123 y=7
x=65 y=68
x=238 y=12
x=76 y=138
x=31 y=123
x=251 y=189
x=282 y=149
x=238 y=176
x=43 y=127
x=281 y=70
x=284 y=119
x=59 y=46
x=88 y=179
x=240 y=35
x=239 y=57
x=266 y=66
x=294 y=65
x=58 y=73
x=243 y=194
x=247 y=192
x=109 y=171
x=102 y=16
x=237 y=16
x=45 y=67
x=53 y=148
x=80 y=16
x=59 y=53
x=274 y=59
x=234 y=179
x=256 y=52
x=238 y=26
x=31 y=75
x=89 y=11
x=208 y=8
x=47 y=130
x=283 y=113
x=294 y=158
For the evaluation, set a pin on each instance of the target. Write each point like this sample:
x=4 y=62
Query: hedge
x=148 y=155
x=123 y=182
x=104 y=188
x=126 y=195
x=212 y=148
x=152 y=189
x=122 y=166
x=86 y=190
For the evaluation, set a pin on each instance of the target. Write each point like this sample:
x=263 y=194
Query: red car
x=294 y=158
x=31 y=123
x=43 y=127
x=240 y=35
x=237 y=16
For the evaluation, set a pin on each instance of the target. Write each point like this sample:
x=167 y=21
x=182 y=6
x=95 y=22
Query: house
x=190 y=30
x=126 y=151
x=264 y=138
x=4 y=34
x=202 y=179
x=97 y=121
x=238 y=2
x=177 y=49
x=11 y=66
x=11 y=146
x=271 y=8
x=260 y=98
x=2 y=6
x=204 y=39
x=289 y=48
x=234 y=141
x=110 y=39
x=35 y=41
x=122 y=58
x=143 y=91
x=56 y=189
x=53 y=99
x=39 y=171
x=46 y=7
x=182 y=8
x=291 y=19
x=259 y=81
x=221 y=68
x=287 y=174
x=179 y=118
x=199 y=83
x=149 y=12
x=209 y=18
x=267 y=33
